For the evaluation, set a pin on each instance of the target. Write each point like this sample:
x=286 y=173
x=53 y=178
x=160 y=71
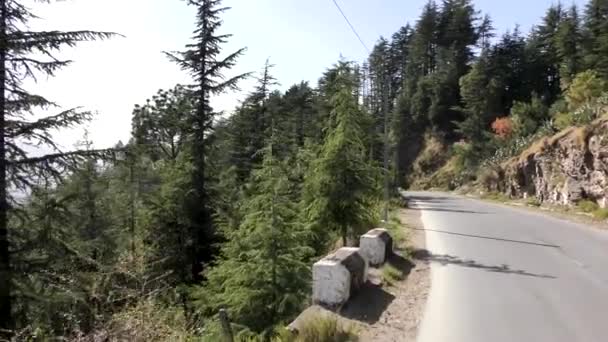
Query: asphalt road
x=502 y=274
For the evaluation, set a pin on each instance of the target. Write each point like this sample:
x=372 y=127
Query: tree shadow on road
x=488 y=238
x=450 y=210
x=368 y=304
x=425 y=255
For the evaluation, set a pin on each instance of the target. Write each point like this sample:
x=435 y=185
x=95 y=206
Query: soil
x=393 y=313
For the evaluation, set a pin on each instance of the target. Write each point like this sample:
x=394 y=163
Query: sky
x=301 y=37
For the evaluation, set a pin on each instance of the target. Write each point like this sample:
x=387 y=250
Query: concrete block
x=376 y=246
x=337 y=276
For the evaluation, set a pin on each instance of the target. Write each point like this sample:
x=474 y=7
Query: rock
x=563 y=169
x=376 y=246
x=337 y=276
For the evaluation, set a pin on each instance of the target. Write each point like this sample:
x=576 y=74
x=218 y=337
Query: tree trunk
x=6 y=319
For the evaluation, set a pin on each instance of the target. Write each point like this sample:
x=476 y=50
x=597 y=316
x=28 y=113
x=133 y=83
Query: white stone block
x=376 y=246
x=337 y=276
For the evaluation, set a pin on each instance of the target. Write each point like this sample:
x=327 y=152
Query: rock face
x=563 y=169
x=376 y=246
x=337 y=276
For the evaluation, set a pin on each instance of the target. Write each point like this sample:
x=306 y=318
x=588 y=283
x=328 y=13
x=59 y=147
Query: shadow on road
x=431 y=199
x=448 y=210
x=425 y=255
x=488 y=238
x=368 y=304
x=372 y=300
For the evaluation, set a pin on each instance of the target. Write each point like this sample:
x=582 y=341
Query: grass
x=321 y=329
x=391 y=275
x=588 y=206
x=397 y=231
x=495 y=196
x=601 y=214
x=533 y=202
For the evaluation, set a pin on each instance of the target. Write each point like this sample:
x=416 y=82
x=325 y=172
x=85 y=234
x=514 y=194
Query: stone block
x=376 y=246
x=337 y=276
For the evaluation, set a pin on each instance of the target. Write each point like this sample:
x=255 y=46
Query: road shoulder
x=401 y=319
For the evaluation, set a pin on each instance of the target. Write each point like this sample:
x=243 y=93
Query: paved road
x=501 y=274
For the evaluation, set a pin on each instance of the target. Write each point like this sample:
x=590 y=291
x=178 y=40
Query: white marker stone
x=376 y=246
x=337 y=276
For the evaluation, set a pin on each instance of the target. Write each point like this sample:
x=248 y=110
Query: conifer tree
x=568 y=41
x=201 y=60
x=341 y=189
x=262 y=277
x=24 y=55
x=596 y=36
x=160 y=127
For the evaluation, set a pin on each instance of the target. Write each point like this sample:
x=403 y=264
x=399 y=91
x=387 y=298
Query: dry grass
x=321 y=329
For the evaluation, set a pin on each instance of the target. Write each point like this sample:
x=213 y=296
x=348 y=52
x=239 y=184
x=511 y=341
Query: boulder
x=376 y=246
x=337 y=276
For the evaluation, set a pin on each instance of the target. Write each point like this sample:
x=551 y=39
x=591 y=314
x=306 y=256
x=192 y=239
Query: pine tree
x=596 y=36
x=201 y=60
x=479 y=92
x=341 y=189
x=20 y=59
x=542 y=44
x=262 y=277
x=160 y=127
x=299 y=101
x=568 y=41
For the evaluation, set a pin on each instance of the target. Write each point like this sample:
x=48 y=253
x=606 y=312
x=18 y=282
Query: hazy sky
x=302 y=37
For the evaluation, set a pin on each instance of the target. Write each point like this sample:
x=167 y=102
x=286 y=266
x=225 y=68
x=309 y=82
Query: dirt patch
x=394 y=313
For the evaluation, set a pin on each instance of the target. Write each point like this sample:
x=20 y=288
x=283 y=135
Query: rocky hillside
x=564 y=169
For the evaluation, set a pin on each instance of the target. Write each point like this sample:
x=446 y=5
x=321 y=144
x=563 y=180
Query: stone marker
x=376 y=246
x=337 y=276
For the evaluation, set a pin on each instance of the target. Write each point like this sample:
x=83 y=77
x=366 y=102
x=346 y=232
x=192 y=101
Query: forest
x=199 y=211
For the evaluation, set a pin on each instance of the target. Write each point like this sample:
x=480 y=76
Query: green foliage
x=321 y=329
x=585 y=87
x=202 y=60
x=262 y=277
x=341 y=188
x=528 y=116
x=601 y=214
x=391 y=275
x=588 y=206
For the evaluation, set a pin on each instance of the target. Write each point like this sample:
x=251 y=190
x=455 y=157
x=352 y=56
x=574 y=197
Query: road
x=507 y=274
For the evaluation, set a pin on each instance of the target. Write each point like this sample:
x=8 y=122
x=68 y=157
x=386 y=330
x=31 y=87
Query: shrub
x=585 y=87
x=503 y=127
x=527 y=116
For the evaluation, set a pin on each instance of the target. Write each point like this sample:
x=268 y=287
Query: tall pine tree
x=24 y=54
x=201 y=59
x=341 y=189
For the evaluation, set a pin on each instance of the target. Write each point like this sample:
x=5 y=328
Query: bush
x=585 y=87
x=527 y=117
x=503 y=127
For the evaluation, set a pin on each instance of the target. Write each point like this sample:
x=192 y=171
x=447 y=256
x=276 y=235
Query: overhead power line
x=351 y=26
